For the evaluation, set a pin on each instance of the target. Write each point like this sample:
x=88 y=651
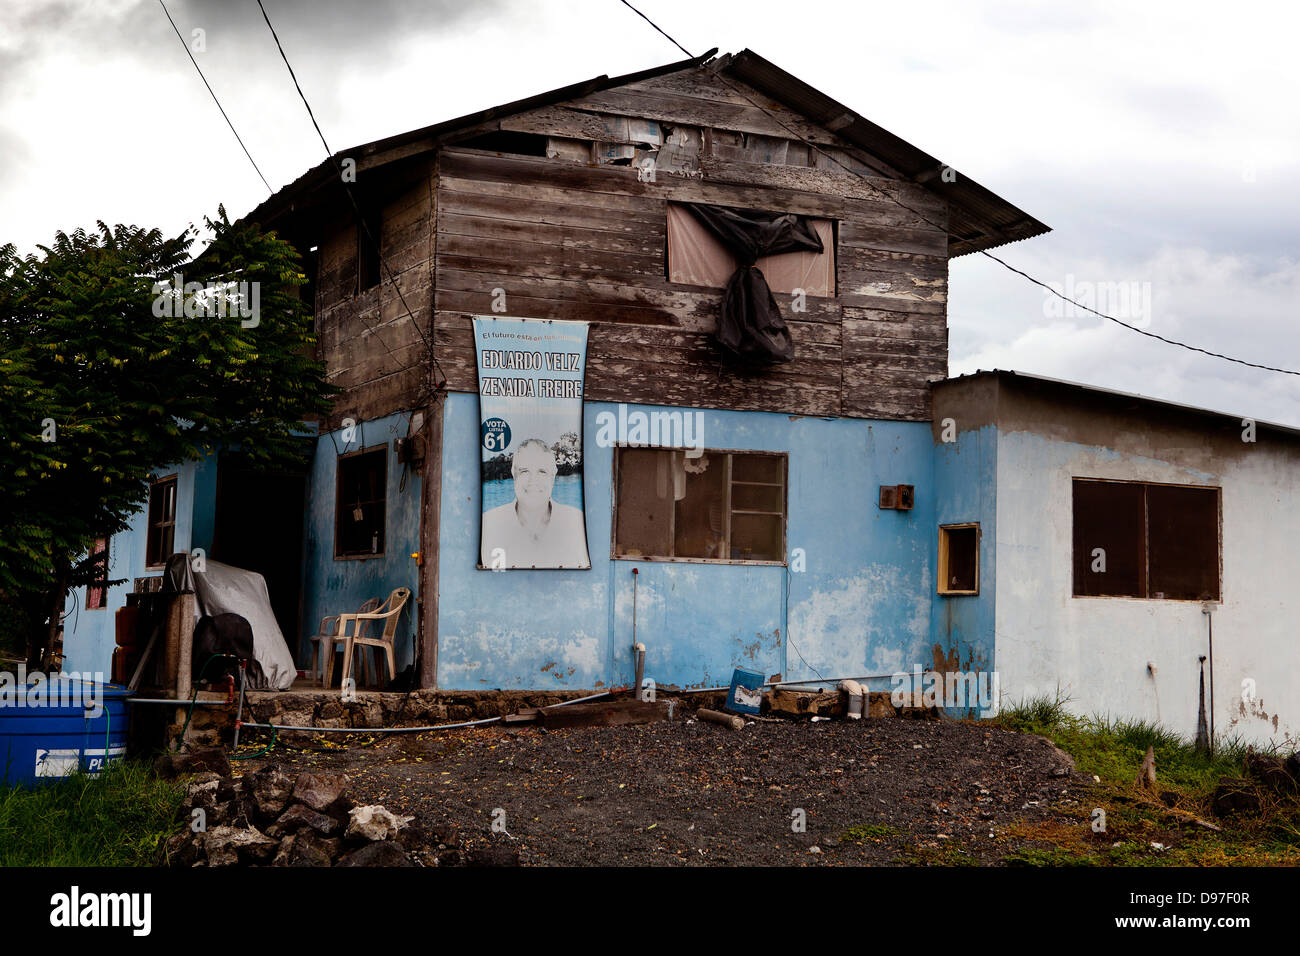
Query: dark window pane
x=764 y=468
x=359 y=523
x=701 y=515
x=645 y=502
x=1183 y=539
x=755 y=537
x=162 y=522
x=1109 y=516
x=756 y=498
x=960 y=572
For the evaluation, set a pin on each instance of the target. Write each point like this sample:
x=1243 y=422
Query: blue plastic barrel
x=746 y=693
x=52 y=728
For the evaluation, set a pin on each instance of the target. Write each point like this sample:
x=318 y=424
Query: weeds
x=868 y=831
x=113 y=819
x=1112 y=750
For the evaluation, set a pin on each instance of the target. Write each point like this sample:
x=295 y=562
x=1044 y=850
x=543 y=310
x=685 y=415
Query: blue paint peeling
x=862 y=604
x=965 y=490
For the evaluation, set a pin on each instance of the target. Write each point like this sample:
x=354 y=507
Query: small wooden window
x=1145 y=540
x=361 y=499
x=97 y=590
x=162 y=522
x=959 y=558
x=368 y=262
x=721 y=506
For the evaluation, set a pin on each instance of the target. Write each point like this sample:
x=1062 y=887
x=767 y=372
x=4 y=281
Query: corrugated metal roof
x=978 y=218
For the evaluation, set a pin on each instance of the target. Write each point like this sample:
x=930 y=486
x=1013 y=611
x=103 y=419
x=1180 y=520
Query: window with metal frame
x=718 y=506
x=1146 y=540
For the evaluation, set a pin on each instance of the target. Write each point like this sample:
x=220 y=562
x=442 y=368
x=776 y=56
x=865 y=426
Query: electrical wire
x=214 y=96
x=885 y=195
x=790 y=643
x=688 y=53
x=361 y=219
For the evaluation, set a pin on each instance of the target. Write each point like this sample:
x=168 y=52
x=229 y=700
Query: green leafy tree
x=107 y=373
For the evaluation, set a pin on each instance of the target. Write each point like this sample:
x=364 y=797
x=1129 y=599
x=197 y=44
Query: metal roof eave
x=980 y=218
x=283 y=200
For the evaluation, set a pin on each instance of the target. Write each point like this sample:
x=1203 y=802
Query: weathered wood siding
x=369 y=345
x=578 y=241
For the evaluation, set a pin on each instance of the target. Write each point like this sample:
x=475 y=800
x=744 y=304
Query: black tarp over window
x=750 y=327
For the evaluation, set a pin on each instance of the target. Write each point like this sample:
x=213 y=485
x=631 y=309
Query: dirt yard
x=680 y=793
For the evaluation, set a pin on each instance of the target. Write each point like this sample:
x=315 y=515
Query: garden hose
x=195 y=696
x=264 y=750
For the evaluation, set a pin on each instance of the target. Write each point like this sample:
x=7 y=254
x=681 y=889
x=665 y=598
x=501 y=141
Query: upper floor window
x=1136 y=539
x=719 y=506
x=161 y=536
x=697 y=257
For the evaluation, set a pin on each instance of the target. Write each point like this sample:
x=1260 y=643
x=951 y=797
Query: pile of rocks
x=270 y=818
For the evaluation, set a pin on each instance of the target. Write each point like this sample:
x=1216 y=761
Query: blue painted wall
x=90 y=636
x=965 y=490
x=861 y=607
x=338 y=586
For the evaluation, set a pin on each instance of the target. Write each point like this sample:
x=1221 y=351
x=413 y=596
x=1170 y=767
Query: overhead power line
x=224 y=116
x=1134 y=328
x=360 y=217
x=884 y=194
x=688 y=53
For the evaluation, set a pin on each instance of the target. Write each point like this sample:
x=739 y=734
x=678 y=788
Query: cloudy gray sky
x=1160 y=140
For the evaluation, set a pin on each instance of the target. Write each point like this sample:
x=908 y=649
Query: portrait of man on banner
x=530 y=403
x=534 y=530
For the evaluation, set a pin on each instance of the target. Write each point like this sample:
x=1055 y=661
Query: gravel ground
x=681 y=792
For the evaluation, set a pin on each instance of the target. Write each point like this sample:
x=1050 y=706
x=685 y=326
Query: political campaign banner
x=530 y=378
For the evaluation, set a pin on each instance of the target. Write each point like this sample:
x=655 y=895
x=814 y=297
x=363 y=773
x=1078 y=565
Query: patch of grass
x=1113 y=750
x=1045 y=856
x=946 y=854
x=1036 y=715
x=113 y=819
x=868 y=831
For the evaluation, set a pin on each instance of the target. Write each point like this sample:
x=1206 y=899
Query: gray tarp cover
x=221 y=588
x=750 y=327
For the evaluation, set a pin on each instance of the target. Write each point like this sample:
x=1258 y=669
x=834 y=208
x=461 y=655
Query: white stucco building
x=1109 y=524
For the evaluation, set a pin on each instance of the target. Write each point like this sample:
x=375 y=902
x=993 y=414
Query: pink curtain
x=695 y=257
